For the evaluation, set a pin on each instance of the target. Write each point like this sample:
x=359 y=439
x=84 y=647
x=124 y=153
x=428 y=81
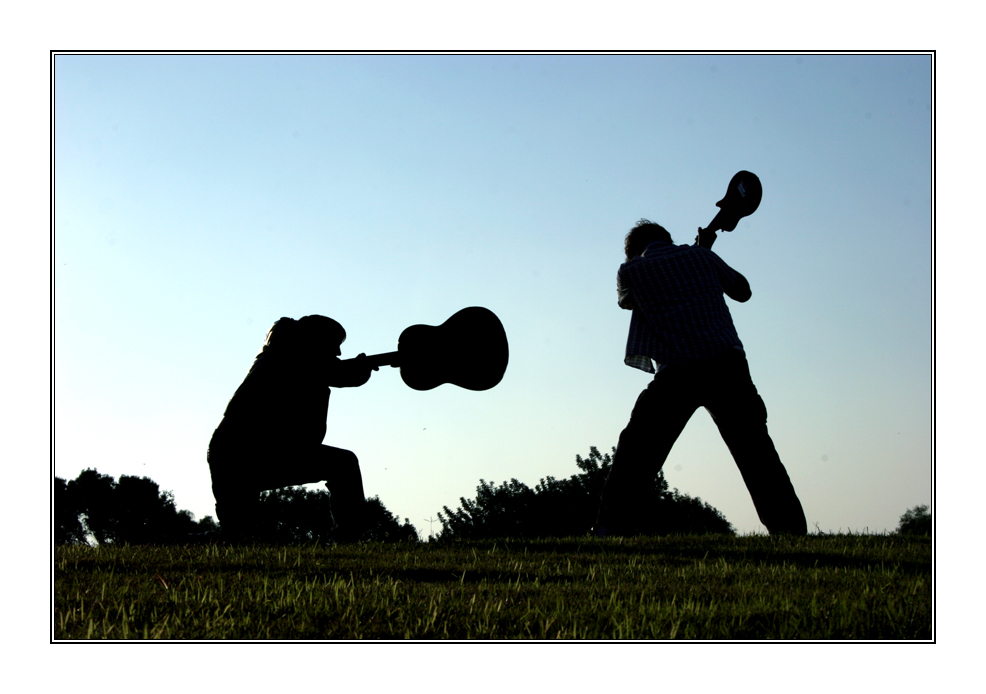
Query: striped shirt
x=679 y=313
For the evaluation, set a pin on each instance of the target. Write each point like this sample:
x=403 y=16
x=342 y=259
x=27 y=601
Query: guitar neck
x=716 y=223
x=385 y=359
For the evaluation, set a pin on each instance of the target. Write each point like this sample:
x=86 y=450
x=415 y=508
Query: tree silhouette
x=68 y=524
x=294 y=514
x=384 y=526
x=133 y=510
x=916 y=521
x=93 y=495
x=145 y=514
x=568 y=507
x=298 y=515
x=504 y=511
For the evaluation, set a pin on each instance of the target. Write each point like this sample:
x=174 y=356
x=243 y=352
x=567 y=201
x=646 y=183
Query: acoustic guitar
x=468 y=350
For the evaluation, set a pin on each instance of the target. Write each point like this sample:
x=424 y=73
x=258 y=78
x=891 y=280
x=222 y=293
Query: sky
x=199 y=198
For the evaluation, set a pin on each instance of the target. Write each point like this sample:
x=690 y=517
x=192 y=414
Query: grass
x=822 y=587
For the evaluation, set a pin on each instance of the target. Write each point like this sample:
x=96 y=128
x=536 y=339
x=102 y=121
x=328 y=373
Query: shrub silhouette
x=67 y=516
x=566 y=508
x=133 y=510
x=916 y=521
x=297 y=515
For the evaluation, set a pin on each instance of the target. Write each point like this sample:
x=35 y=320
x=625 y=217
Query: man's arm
x=739 y=289
x=623 y=296
x=705 y=238
x=734 y=285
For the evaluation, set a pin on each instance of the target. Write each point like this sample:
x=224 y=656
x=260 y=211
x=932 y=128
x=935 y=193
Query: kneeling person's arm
x=350 y=373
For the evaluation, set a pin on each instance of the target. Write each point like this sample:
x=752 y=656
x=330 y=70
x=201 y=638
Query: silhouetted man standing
x=681 y=322
x=272 y=430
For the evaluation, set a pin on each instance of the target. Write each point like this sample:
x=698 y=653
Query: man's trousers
x=723 y=386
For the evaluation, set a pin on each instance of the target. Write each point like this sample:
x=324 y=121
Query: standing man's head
x=642 y=235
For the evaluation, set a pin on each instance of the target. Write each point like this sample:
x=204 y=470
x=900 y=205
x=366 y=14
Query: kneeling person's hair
x=288 y=334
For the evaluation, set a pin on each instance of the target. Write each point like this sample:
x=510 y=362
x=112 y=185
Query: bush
x=133 y=510
x=299 y=515
x=567 y=508
x=916 y=521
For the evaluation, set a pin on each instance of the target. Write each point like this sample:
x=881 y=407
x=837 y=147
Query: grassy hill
x=821 y=587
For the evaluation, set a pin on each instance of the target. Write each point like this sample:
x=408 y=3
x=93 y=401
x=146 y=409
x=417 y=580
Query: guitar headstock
x=742 y=198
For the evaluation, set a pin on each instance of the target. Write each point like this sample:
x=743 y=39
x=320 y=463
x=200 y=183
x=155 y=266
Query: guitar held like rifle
x=468 y=350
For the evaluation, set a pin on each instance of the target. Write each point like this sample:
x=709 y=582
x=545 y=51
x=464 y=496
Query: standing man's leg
x=740 y=414
x=660 y=414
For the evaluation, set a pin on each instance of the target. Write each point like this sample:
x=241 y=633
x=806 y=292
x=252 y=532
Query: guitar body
x=468 y=350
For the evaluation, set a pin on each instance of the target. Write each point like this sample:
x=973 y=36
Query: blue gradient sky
x=200 y=198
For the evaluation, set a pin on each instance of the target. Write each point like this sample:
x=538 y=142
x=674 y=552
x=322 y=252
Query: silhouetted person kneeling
x=272 y=430
x=680 y=320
